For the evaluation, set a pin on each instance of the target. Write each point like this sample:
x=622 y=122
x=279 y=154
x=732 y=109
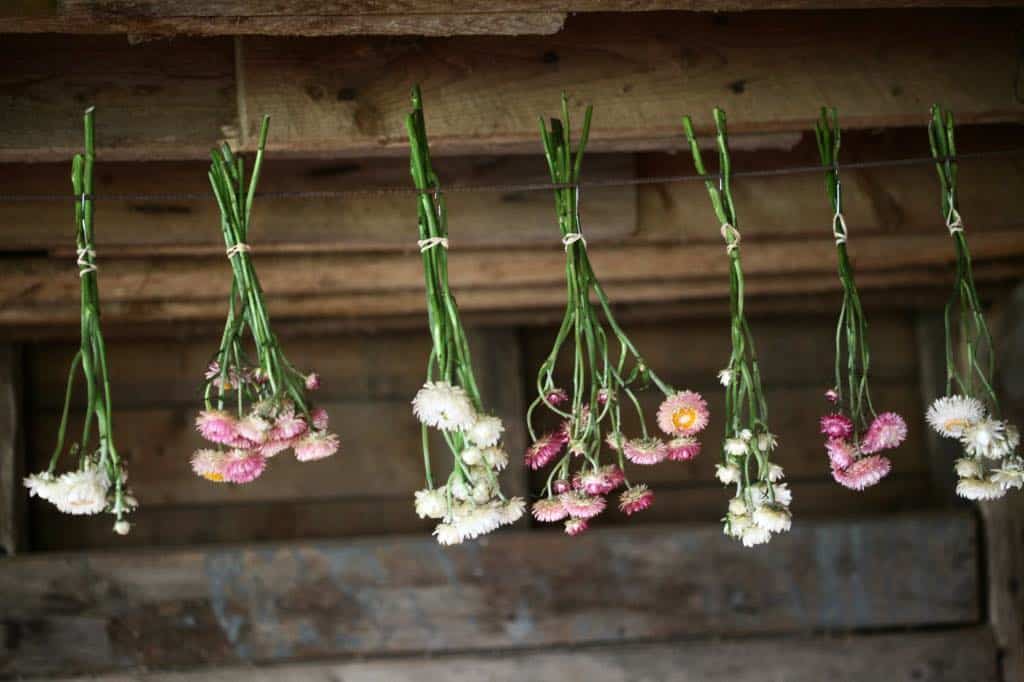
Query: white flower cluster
x=760 y=508
x=86 y=491
x=990 y=465
x=470 y=504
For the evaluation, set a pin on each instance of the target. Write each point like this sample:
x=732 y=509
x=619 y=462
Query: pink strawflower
x=602 y=397
x=561 y=486
x=887 y=431
x=645 y=450
x=254 y=428
x=613 y=439
x=312 y=381
x=318 y=416
x=287 y=427
x=636 y=498
x=599 y=481
x=217 y=426
x=832 y=395
x=581 y=505
x=556 y=396
x=315 y=445
x=272 y=447
x=837 y=425
x=549 y=510
x=683 y=414
x=841 y=453
x=209 y=464
x=244 y=466
x=863 y=473
x=683 y=449
x=545 y=449
x=575 y=526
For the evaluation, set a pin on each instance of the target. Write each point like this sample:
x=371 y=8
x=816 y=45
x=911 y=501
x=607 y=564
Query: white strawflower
x=472 y=456
x=979 y=489
x=474 y=521
x=447 y=534
x=766 y=442
x=496 y=458
x=443 y=406
x=735 y=446
x=951 y=414
x=727 y=474
x=511 y=510
x=461 y=489
x=755 y=535
x=483 y=490
x=1010 y=474
x=42 y=485
x=485 y=431
x=122 y=527
x=431 y=503
x=83 y=491
x=746 y=435
x=968 y=467
x=1012 y=436
x=775 y=473
x=736 y=524
x=725 y=377
x=737 y=506
x=985 y=438
x=773 y=517
x=783 y=495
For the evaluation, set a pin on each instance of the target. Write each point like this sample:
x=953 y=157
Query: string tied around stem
x=85 y=261
x=238 y=248
x=839 y=228
x=573 y=237
x=954 y=223
x=430 y=242
x=731 y=236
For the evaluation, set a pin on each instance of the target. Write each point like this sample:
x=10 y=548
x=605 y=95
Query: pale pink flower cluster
x=246 y=443
x=854 y=459
x=990 y=465
x=578 y=497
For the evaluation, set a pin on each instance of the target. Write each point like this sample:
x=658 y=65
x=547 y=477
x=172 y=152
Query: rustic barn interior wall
x=322 y=571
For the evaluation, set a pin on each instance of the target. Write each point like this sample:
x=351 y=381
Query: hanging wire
x=522 y=187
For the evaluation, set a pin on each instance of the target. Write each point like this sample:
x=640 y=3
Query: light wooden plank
x=43 y=282
x=163 y=99
x=280 y=602
x=517 y=304
x=488 y=92
x=12 y=455
x=947 y=656
x=357 y=222
x=310 y=23
x=347 y=96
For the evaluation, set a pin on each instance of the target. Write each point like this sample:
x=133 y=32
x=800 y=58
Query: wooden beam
x=962 y=654
x=224 y=605
x=12 y=455
x=348 y=96
x=41 y=290
x=401 y=17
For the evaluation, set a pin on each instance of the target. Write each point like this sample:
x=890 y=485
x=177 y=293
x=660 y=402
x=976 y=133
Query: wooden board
x=642 y=72
x=168 y=100
x=228 y=605
x=946 y=656
x=282 y=224
x=12 y=453
x=336 y=97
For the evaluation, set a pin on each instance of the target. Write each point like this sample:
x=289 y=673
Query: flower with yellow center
x=683 y=414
